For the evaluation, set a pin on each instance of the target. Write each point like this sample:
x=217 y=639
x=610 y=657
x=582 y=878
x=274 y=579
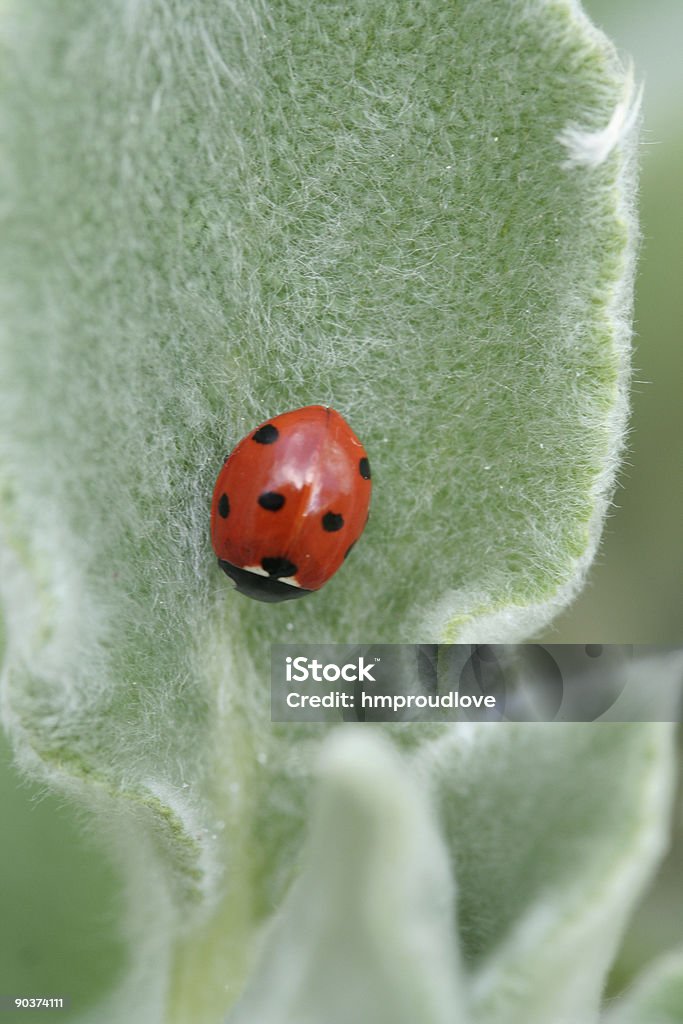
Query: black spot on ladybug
x=223 y=506
x=268 y=434
x=278 y=567
x=349 y=550
x=272 y=501
x=364 y=467
x=332 y=522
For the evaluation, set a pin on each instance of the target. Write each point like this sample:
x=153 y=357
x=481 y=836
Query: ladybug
x=289 y=504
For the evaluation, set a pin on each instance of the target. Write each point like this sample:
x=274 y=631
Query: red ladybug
x=289 y=504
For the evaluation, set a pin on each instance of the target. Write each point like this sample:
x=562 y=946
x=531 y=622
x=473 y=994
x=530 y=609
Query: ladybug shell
x=289 y=503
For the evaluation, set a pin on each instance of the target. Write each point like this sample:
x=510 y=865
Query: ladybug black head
x=261 y=588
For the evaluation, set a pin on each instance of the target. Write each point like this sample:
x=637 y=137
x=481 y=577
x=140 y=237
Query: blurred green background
x=60 y=902
x=634 y=592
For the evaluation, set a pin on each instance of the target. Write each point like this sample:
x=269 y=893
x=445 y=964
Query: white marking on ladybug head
x=260 y=571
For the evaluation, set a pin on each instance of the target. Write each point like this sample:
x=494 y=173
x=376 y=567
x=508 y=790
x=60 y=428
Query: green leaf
x=554 y=831
x=366 y=934
x=423 y=219
x=656 y=998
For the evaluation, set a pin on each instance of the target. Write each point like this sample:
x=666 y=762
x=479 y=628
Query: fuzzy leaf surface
x=554 y=830
x=367 y=932
x=657 y=996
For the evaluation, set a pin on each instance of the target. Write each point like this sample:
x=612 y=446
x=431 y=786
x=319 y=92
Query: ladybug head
x=261 y=588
